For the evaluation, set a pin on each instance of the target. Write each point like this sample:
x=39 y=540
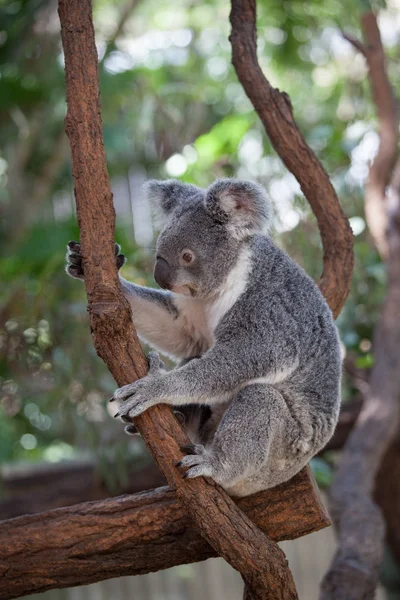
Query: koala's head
x=204 y=231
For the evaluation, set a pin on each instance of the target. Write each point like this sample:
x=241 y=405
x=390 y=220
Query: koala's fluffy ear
x=166 y=196
x=243 y=205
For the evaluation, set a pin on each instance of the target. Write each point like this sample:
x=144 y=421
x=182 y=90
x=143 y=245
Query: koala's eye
x=186 y=257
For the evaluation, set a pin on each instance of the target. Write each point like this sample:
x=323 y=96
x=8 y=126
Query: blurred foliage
x=172 y=106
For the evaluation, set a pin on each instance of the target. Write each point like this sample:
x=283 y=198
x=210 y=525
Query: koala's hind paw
x=198 y=462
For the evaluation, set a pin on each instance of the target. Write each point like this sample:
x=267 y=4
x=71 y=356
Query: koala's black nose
x=162 y=273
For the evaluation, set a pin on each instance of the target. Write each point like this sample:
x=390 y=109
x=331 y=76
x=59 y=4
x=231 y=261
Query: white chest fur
x=230 y=291
x=200 y=318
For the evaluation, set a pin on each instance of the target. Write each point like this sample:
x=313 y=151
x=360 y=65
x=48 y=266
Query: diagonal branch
x=357 y=44
x=275 y=111
x=223 y=525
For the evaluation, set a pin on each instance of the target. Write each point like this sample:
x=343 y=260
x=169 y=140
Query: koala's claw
x=198 y=462
x=200 y=468
x=131 y=429
x=74 y=259
x=126 y=419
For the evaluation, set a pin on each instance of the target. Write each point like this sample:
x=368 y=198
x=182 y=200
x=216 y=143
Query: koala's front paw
x=142 y=394
x=135 y=397
x=74 y=260
x=75 y=263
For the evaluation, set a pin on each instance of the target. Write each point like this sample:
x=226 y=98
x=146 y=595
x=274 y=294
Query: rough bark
x=275 y=111
x=360 y=524
x=226 y=528
x=132 y=535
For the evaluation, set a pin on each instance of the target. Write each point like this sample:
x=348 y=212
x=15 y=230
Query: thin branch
x=124 y=15
x=388 y=126
x=132 y=535
x=275 y=111
x=226 y=528
x=357 y=44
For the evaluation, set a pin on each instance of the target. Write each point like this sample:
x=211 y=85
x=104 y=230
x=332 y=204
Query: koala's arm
x=154 y=313
x=157 y=321
x=210 y=379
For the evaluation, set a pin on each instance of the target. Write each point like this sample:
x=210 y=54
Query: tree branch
x=361 y=528
x=132 y=535
x=229 y=532
x=388 y=125
x=359 y=46
x=387 y=494
x=124 y=15
x=275 y=111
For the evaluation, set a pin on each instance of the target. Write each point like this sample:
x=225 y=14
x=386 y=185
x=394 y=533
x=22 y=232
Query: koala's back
x=282 y=323
x=282 y=316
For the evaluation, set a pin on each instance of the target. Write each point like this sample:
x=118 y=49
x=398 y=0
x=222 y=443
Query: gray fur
x=243 y=204
x=269 y=365
x=166 y=196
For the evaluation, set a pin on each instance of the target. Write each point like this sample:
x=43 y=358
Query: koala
x=259 y=381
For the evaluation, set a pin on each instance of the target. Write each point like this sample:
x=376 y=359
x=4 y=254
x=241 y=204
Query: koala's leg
x=252 y=447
